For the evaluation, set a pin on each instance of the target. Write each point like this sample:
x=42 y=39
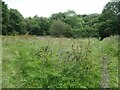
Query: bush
x=58 y=28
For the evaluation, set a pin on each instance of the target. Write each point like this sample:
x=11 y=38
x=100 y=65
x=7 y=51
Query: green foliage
x=5 y=18
x=109 y=20
x=12 y=21
x=60 y=24
x=71 y=18
x=32 y=26
x=58 y=28
x=46 y=62
x=45 y=25
x=1 y=18
x=16 y=22
x=37 y=25
x=68 y=31
x=86 y=32
x=58 y=16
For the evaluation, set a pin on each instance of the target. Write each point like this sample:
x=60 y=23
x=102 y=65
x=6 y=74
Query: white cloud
x=48 y=7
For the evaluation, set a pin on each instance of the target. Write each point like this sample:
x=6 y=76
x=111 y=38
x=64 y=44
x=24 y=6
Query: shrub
x=58 y=28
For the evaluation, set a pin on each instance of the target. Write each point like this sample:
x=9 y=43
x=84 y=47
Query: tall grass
x=58 y=62
x=0 y=62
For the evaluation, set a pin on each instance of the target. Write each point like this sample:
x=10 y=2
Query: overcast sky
x=47 y=7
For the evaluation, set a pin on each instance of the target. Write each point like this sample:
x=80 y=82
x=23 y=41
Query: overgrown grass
x=49 y=62
x=0 y=62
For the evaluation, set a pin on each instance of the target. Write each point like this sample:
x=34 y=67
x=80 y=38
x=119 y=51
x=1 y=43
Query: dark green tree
x=16 y=23
x=71 y=19
x=45 y=25
x=58 y=16
x=32 y=26
x=0 y=18
x=5 y=18
x=109 y=21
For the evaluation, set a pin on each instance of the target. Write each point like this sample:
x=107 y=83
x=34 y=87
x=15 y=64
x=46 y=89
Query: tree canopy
x=67 y=24
x=109 y=20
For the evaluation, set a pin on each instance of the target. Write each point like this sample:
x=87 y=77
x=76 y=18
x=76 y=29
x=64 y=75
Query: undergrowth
x=58 y=62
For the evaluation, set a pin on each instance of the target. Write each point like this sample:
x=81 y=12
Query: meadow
x=47 y=62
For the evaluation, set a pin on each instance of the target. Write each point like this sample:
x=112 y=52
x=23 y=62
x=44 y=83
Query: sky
x=46 y=8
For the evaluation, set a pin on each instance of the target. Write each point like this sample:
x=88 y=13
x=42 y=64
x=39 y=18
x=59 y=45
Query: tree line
x=66 y=24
